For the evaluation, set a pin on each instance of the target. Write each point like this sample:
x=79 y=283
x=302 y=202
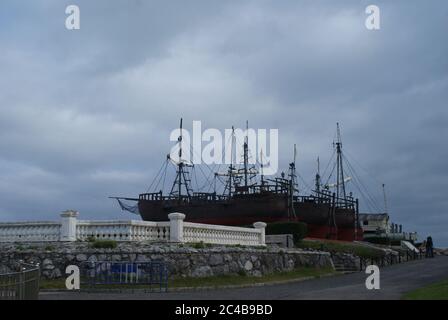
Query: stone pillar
x=176 y=226
x=68 y=225
x=262 y=227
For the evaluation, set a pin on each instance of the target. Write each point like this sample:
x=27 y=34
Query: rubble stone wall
x=182 y=260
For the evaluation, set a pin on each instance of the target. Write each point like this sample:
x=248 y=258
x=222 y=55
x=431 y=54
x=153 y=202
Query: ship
x=248 y=197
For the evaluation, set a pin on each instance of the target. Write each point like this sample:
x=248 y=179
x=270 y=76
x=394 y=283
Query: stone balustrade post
x=176 y=226
x=262 y=227
x=68 y=225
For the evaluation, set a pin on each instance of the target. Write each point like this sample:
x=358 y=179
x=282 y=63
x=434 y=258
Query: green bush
x=297 y=229
x=200 y=245
x=242 y=273
x=103 y=244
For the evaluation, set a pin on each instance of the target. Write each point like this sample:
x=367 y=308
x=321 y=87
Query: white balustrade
x=29 y=231
x=175 y=230
x=215 y=234
x=123 y=230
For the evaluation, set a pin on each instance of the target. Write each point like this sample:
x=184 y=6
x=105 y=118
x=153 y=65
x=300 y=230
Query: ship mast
x=246 y=155
x=385 y=199
x=318 y=178
x=292 y=184
x=180 y=172
x=231 y=162
x=180 y=166
x=261 y=168
x=231 y=171
x=340 y=180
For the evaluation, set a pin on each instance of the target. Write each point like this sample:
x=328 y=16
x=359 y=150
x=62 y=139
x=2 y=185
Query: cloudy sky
x=86 y=114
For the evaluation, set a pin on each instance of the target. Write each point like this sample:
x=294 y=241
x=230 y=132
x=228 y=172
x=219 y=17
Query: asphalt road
x=394 y=282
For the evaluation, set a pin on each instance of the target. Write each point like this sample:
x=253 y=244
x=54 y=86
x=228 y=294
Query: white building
x=379 y=225
x=374 y=223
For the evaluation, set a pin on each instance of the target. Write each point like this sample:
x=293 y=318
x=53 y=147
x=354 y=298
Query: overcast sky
x=86 y=114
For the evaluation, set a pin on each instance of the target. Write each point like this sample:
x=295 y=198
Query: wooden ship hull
x=322 y=219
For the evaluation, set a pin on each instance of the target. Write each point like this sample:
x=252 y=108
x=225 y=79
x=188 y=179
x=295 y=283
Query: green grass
x=52 y=284
x=215 y=281
x=49 y=248
x=199 y=245
x=436 y=291
x=103 y=244
x=225 y=280
x=345 y=247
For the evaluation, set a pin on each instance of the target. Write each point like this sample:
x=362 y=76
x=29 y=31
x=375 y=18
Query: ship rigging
x=329 y=210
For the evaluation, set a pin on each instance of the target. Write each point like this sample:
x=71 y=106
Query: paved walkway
x=395 y=280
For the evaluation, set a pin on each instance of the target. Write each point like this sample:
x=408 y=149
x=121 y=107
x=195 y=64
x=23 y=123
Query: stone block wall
x=182 y=260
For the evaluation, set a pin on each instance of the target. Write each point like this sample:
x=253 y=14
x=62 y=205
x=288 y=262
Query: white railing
x=195 y=232
x=123 y=230
x=175 y=230
x=29 y=231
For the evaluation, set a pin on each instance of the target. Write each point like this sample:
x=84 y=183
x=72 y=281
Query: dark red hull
x=247 y=209
x=238 y=211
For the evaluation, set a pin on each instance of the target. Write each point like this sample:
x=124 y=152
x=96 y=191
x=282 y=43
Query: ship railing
x=267 y=188
x=202 y=196
x=326 y=197
x=345 y=205
x=151 y=196
x=158 y=196
x=312 y=199
x=208 y=197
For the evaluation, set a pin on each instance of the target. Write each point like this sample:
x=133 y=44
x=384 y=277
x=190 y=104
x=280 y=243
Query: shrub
x=104 y=244
x=200 y=245
x=242 y=273
x=297 y=229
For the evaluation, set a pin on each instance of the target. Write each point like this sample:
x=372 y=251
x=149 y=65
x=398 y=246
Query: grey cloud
x=87 y=114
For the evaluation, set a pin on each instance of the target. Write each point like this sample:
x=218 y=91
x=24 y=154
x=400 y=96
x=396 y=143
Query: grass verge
x=436 y=291
x=218 y=281
x=215 y=281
